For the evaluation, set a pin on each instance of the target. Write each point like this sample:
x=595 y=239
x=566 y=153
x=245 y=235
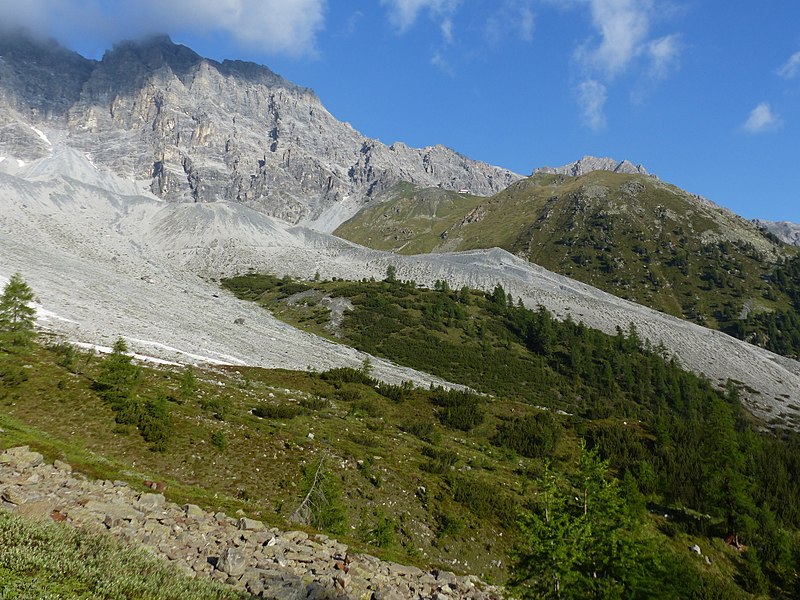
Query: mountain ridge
x=587 y=164
x=629 y=234
x=203 y=131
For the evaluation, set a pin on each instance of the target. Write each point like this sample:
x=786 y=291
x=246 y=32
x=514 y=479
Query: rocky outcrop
x=587 y=164
x=788 y=233
x=239 y=551
x=204 y=131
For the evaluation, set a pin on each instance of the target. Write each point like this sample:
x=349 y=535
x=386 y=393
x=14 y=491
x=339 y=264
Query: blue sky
x=704 y=93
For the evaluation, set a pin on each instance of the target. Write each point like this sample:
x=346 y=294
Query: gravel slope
x=105 y=264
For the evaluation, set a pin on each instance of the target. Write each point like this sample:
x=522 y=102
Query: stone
x=150 y=502
x=232 y=561
x=696 y=550
x=288 y=565
x=342 y=579
x=115 y=510
x=14 y=495
x=62 y=466
x=21 y=458
x=193 y=511
x=250 y=524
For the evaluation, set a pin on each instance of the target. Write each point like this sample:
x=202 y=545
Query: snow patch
x=2 y=158
x=42 y=314
x=41 y=134
x=199 y=357
x=20 y=163
x=141 y=357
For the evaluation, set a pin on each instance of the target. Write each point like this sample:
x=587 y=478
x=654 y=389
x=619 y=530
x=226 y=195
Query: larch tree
x=17 y=316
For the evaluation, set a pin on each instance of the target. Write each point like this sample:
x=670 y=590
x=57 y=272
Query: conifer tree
x=17 y=316
x=116 y=382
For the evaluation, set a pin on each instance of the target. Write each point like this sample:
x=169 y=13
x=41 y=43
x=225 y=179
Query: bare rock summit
x=587 y=164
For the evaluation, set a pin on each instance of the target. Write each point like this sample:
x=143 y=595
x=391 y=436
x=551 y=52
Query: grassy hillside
x=440 y=478
x=631 y=235
x=676 y=440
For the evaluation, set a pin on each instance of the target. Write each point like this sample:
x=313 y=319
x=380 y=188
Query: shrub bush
x=277 y=411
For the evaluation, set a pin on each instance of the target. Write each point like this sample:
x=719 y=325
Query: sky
x=704 y=93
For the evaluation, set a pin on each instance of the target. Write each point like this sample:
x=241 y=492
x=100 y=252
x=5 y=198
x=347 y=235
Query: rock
x=696 y=550
x=587 y=164
x=193 y=511
x=116 y=511
x=21 y=458
x=342 y=579
x=14 y=495
x=286 y=155
x=238 y=321
x=62 y=466
x=251 y=525
x=232 y=561
x=150 y=502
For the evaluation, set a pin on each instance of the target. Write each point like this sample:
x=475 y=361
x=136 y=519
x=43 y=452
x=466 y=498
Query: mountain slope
x=105 y=264
x=204 y=131
x=629 y=234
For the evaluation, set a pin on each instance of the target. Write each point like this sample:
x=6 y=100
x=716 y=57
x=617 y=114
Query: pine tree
x=116 y=382
x=16 y=315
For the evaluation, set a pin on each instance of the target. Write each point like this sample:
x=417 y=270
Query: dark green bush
x=533 y=436
x=315 y=403
x=458 y=409
x=440 y=460
x=277 y=411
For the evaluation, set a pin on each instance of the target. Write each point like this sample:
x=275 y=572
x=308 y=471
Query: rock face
x=587 y=164
x=788 y=233
x=204 y=131
x=267 y=563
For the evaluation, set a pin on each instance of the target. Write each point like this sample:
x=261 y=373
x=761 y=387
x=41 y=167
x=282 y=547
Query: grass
x=414 y=477
x=45 y=561
x=630 y=235
x=257 y=464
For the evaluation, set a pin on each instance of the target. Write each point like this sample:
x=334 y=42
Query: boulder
x=232 y=561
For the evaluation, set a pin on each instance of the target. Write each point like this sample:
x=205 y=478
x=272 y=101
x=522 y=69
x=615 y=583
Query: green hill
x=631 y=235
x=634 y=458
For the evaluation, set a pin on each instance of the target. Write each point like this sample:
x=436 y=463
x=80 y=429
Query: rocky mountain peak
x=38 y=76
x=204 y=131
x=587 y=164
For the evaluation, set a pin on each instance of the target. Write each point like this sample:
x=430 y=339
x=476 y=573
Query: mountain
x=126 y=200
x=587 y=164
x=629 y=234
x=105 y=263
x=199 y=130
x=788 y=233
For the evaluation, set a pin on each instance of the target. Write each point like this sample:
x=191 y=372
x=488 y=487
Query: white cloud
x=762 y=119
x=664 y=54
x=592 y=97
x=276 y=26
x=439 y=61
x=404 y=13
x=623 y=26
x=447 y=30
x=791 y=67
x=511 y=18
x=526 y=23
x=271 y=25
x=622 y=45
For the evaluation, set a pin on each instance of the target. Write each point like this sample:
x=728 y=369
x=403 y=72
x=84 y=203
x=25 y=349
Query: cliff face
x=205 y=131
